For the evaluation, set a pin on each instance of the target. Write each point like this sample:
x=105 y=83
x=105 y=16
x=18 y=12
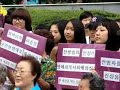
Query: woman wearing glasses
x=26 y=74
x=22 y=19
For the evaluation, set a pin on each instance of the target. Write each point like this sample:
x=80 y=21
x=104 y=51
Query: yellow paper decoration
x=3 y=11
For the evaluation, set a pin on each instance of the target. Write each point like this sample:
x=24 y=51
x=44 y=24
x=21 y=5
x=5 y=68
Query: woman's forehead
x=23 y=64
x=101 y=27
x=70 y=24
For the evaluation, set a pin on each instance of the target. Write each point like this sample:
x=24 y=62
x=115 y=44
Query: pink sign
x=108 y=67
x=1 y=20
x=17 y=42
x=73 y=60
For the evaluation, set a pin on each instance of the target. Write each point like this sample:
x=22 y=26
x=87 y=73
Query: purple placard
x=73 y=60
x=17 y=42
x=108 y=67
x=1 y=20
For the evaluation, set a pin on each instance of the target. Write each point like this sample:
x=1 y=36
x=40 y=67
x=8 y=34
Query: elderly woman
x=91 y=81
x=3 y=75
x=26 y=74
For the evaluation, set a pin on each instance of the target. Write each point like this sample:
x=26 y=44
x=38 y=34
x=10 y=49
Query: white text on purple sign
x=7 y=62
x=111 y=76
x=18 y=50
x=75 y=67
x=31 y=42
x=110 y=62
x=68 y=81
x=73 y=52
x=15 y=35
x=89 y=53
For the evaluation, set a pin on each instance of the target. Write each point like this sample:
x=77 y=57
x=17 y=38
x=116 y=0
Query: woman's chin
x=99 y=42
x=18 y=84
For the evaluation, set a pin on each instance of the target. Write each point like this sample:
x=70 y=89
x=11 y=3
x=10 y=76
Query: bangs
x=18 y=16
x=20 y=13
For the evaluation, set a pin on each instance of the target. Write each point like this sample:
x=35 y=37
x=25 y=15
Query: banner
x=108 y=67
x=17 y=42
x=73 y=60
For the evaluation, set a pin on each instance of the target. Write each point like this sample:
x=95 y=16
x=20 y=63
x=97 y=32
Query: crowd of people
x=29 y=74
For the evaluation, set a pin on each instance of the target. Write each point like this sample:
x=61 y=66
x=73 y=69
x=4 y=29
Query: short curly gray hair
x=3 y=73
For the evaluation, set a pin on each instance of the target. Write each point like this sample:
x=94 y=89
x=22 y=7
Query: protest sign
x=73 y=60
x=17 y=42
x=108 y=67
x=1 y=20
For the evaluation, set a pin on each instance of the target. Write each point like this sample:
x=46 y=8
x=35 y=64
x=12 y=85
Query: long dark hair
x=113 y=40
x=79 y=32
x=61 y=26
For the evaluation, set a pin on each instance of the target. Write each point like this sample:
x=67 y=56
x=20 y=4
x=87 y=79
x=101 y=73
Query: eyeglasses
x=21 y=72
x=18 y=19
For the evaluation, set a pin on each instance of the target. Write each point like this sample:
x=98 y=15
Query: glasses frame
x=21 y=72
x=18 y=19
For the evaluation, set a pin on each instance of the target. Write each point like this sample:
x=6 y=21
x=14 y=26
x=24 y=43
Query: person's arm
x=43 y=85
x=53 y=54
x=46 y=82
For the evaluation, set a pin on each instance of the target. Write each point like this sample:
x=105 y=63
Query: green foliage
x=48 y=16
x=106 y=14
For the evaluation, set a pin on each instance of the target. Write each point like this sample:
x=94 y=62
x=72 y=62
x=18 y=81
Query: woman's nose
x=17 y=20
x=97 y=32
x=17 y=74
x=68 y=31
x=53 y=34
